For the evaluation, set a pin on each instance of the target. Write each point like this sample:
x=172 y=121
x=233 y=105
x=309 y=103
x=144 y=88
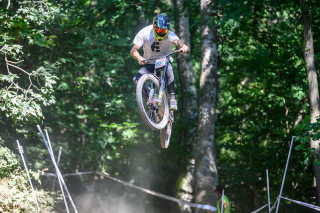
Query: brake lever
x=145 y=61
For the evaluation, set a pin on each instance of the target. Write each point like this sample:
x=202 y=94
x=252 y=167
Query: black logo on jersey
x=155 y=47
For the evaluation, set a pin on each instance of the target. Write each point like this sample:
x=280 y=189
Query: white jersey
x=151 y=47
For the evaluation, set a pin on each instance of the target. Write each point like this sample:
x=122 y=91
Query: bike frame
x=162 y=80
x=163 y=77
x=157 y=105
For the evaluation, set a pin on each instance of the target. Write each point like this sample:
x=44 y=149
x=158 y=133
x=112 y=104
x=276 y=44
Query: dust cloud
x=99 y=201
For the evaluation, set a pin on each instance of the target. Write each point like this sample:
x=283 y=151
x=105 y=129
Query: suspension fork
x=151 y=93
x=161 y=92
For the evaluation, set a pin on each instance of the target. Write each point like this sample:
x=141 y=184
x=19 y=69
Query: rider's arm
x=179 y=44
x=225 y=206
x=136 y=55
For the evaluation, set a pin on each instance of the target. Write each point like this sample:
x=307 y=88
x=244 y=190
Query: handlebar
x=164 y=56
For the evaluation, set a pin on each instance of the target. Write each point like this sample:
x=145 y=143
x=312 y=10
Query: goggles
x=159 y=31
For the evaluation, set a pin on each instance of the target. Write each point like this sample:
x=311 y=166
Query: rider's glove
x=142 y=61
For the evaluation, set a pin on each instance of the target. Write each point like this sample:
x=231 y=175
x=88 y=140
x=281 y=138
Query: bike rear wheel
x=147 y=91
x=165 y=135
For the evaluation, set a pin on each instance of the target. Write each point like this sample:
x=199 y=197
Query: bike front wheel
x=147 y=91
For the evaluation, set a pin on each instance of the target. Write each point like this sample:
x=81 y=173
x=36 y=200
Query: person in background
x=226 y=202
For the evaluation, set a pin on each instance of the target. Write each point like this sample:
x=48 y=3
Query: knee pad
x=135 y=81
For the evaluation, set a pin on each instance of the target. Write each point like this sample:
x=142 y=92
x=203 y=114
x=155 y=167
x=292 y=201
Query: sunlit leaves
x=26 y=89
x=307 y=131
x=263 y=89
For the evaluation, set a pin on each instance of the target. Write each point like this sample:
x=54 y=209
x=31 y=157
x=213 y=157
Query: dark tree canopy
x=66 y=66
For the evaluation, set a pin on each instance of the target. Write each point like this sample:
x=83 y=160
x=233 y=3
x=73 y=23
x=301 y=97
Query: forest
x=248 y=85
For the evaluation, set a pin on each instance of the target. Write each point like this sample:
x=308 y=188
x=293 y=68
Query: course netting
x=277 y=202
x=148 y=191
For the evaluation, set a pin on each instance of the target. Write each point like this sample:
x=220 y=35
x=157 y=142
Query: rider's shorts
x=149 y=68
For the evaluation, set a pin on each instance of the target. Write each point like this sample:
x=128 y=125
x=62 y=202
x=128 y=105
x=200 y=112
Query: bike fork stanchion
x=151 y=92
x=161 y=92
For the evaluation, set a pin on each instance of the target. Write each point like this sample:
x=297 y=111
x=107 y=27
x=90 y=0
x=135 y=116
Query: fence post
x=58 y=161
x=268 y=191
x=222 y=201
x=61 y=187
x=284 y=176
x=20 y=149
x=57 y=169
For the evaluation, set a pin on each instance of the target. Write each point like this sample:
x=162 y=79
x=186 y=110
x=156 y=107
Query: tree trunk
x=206 y=175
x=189 y=102
x=308 y=52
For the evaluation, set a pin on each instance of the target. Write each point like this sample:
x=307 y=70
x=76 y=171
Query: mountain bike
x=152 y=99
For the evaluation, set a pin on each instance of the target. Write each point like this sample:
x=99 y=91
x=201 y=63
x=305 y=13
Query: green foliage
x=23 y=104
x=27 y=82
x=305 y=132
x=263 y=90
x=15 y=191
x=95 y=98
x=8 y=161
x=16 y=195
x=25 y=87
x=66 y=65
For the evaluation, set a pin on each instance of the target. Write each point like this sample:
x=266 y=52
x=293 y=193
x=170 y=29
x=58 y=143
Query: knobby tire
x=140 y=101
x=165 y=135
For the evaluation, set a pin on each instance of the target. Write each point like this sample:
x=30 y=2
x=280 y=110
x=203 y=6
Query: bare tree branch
x=5 y=46
x=14 y=62
x=8 y=5
x=19 y=68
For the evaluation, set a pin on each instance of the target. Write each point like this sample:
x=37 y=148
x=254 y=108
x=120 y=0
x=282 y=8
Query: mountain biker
x=157 y=40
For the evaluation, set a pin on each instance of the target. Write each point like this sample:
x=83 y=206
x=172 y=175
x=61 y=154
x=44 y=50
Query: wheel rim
x=149 y=104
x=168 y=133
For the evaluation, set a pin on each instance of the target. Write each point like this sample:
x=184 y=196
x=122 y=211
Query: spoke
x=151 y=110
x=156 y=117
x=150 y=114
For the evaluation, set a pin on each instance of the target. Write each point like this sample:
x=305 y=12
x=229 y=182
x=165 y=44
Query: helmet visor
x=160 y=32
